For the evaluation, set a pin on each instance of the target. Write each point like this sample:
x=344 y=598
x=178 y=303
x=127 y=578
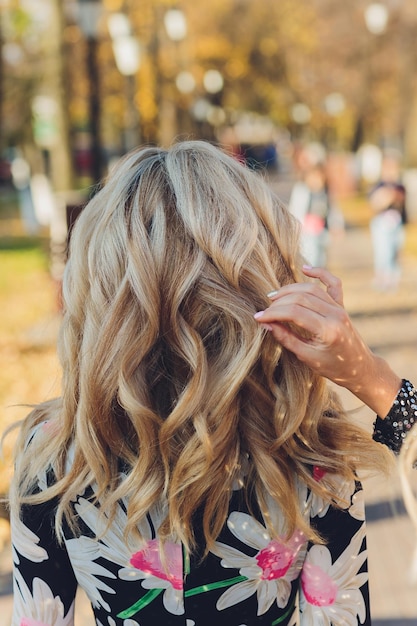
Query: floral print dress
x=248 y=579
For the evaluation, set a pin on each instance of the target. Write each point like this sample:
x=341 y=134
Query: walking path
x=388 y=321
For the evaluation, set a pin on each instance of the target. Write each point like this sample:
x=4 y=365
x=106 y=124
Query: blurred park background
x=84 y=81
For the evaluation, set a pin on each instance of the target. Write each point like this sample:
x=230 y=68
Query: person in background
x=21 y=177
x=310 y=202
x=191 y=470
x=312 y=323
x=388 y=203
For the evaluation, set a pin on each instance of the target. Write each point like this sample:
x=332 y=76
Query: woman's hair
x=165 y=371
x=407 y=467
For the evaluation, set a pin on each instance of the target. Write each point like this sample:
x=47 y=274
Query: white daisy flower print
x=25 y=542
x=330 y=592
x=137 y=562
x=83 y=552
x=39 y=608
x=357 y=510
x=269 y=572
x=339 y=485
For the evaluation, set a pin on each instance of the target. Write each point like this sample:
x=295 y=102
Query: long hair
x=165 y=370
x=407 y=466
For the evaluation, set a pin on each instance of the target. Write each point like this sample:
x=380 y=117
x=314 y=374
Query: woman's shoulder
x=38 y=445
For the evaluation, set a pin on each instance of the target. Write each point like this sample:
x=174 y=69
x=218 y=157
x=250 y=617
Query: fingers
x=291 y=341
x=332 y=283
x=307 y=307
x=303 y=301
x=317 y=320
x=297 y=309
x=333 y=293
x=310 y=351
x=312 y=323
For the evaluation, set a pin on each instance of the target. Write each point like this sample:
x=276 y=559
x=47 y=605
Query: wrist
x=395 y=428
x=375 y=384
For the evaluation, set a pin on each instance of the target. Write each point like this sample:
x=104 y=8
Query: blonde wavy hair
x=407 y=464
x=166 y=372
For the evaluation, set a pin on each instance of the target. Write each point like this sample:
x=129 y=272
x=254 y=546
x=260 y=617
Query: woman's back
x=249 y=576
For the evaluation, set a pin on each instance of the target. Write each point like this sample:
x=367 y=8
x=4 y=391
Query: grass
x=28 y=321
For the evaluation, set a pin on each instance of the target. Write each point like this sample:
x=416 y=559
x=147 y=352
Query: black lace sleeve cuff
x=393 y=430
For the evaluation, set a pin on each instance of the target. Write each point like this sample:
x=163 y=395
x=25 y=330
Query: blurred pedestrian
x=310 y=202
x=21 y=177
x=388 y=202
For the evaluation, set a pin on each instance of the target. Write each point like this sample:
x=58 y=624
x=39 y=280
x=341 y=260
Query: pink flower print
x=318 y=473
x=276 y=559
x=331 y=591
x=27 y=621
x=149 y=562
x=268 y=573
x=318 y=587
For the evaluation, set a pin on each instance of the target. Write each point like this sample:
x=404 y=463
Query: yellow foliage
x=113 y=5
x=78 y=111
x=269 y=46
x=146 y=93
x=212 y=47
x=236 y=68
x=114 y=105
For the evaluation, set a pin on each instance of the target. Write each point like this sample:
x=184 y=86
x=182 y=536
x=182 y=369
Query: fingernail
x=272 y=294
x=258 y=314
x=266 y=326
x=307 y=267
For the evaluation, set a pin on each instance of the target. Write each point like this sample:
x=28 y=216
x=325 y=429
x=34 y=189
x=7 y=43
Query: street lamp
x=175 y=31
x=213 y=81
x=300 y=113
x=185 y=82
x=125 y=47
x=376 y=18
x=175 y=24
x=127 y=55
x=89 y=14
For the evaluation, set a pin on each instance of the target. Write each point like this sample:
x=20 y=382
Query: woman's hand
x=322 y=335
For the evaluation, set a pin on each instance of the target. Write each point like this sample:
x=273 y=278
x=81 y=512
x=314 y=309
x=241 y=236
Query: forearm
x=375 y=384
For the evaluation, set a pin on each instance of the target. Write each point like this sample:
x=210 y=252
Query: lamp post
x=127 y=55
x=376 y=20
x=175 y=31
x=89 y=13
x=175 y=24
x=213 y=83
